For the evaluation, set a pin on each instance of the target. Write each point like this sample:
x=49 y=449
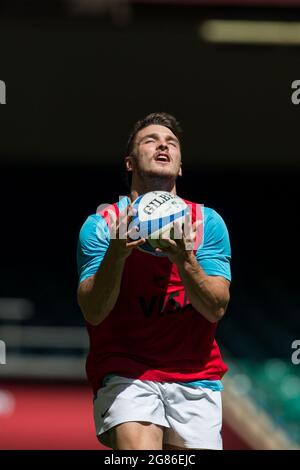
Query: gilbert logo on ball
x=156 y=213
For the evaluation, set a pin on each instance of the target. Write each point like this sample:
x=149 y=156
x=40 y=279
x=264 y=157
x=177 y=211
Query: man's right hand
x=121 y=245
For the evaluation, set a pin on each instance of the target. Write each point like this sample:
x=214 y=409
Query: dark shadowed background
x=76 y=82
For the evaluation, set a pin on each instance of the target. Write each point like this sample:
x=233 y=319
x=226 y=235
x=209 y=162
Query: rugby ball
x=155 y=214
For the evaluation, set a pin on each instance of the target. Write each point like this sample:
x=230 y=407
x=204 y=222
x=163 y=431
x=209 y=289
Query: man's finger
x=188 y=226
x=178 y=231
x=197 y=224
x=120 y=226
x=133 y=233
x=135 y=243
x=131 y=212
x=170 y=241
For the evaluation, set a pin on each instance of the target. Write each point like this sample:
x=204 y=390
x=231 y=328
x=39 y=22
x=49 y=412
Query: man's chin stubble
x=156 y=176
x=152 y=181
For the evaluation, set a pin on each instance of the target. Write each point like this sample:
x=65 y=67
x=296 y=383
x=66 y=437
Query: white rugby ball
x=156 y=213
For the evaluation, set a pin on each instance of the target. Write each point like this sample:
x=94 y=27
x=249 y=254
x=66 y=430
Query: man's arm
x=209 y=295
x=97 y=295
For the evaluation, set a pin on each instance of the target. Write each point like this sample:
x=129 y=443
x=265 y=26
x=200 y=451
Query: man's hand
x=121 y=243
x=180 y=250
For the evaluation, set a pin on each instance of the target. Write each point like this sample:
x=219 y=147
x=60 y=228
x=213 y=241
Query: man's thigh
x=133 y=408
x=194 y=416
x=136 y=436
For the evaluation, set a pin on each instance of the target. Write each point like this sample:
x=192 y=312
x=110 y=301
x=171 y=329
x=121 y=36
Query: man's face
x=156 y=153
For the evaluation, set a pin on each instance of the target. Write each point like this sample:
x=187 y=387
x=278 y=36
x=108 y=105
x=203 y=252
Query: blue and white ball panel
x=156 y=212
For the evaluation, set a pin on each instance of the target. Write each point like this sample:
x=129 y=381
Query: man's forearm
x=207 y=295
x=98 y=294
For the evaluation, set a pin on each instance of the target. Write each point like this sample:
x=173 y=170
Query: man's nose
x=163 y=146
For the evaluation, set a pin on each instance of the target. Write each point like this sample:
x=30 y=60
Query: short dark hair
x=161 y=119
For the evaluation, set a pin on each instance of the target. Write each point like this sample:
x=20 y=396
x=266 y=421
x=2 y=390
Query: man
x=154 y=364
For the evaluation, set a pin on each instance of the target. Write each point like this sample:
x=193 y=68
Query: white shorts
x=192 y=416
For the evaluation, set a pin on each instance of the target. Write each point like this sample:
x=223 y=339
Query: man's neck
x=136 y=190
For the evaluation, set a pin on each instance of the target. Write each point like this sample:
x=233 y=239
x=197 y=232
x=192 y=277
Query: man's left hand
x=181 y=249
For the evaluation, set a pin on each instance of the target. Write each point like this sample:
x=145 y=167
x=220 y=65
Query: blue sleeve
x=92 y=245
x=215 y=252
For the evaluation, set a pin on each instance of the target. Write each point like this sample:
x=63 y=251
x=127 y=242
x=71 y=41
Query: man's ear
x=128 y=163
x=180 y=170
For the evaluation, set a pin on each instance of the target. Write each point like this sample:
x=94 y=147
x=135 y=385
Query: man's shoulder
x=213 y=223
x=207 y=212
x=98 y=222
x=91 y=221
x=211 y=214
x=92 y=226
x=105 y=209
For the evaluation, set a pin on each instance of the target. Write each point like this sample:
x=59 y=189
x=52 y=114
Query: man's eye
x=148 y=141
